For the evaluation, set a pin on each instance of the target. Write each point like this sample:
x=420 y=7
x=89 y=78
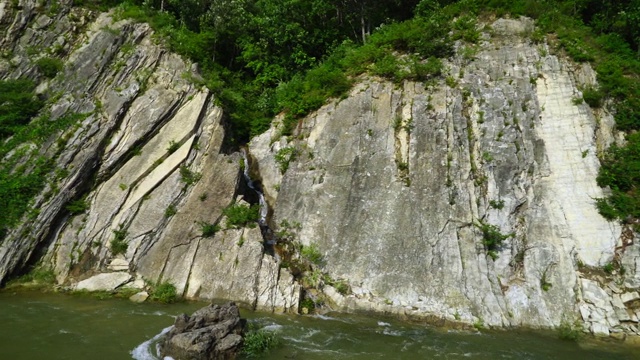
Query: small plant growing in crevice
x=208 y=230
x=479 y=324
x=312 y=254
x=77 y=206
x=496 y=204
x=492 y=238
x=487 y=157
x=239 y=215
x=189 y=177
x=544 y=284
x=173 y=147
x=164 y=292
x=118 y=244
x=285 y=156
x=170 y=211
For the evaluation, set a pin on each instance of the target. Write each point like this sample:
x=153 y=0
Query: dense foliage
x=18 y=104
x=239 y=215
x=24 y=171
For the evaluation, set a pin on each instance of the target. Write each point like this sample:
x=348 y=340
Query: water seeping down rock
x=398 y=187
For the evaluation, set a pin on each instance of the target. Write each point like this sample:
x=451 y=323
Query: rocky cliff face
x=147 y=158
x=470 y=198
x=404 y=188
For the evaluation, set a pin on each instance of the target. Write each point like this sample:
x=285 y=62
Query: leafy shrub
x=284 y=156
x=492 y=238
x=312 y=254
x=239 y=215
x=77 y=206
x=258 y=342
x=164 y=292
x=307 y=306
x=18 y=104
x=620 y=171
x=592 y=97
x=496 y=204
x=465 y=28
x=189 y=177
x=118 y=244
x=170 y=211
x=569 y=331
x=209 y=230
x=49 y=67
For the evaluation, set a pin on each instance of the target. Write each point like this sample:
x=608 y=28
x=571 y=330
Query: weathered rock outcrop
x=398 y=186
x=213 y=332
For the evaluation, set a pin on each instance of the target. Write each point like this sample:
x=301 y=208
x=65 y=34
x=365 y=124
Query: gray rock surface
x=105 y=281
x=393 y=182
x=213 y=332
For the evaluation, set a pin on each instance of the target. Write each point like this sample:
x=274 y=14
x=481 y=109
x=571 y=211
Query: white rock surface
x=105 y=281
x=139 y=297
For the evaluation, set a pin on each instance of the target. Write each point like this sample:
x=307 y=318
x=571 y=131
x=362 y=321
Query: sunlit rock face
x=396 y=183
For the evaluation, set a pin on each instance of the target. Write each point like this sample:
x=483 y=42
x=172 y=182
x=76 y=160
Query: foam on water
x=273 y=327
x=143 y=351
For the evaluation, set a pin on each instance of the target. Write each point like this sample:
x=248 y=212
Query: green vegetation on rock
x=24 y=170
x=164 y=292
x=239 y=215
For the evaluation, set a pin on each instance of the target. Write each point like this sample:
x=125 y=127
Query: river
x=53 y=326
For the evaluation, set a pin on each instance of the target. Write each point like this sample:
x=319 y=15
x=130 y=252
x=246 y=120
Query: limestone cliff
x=469 y=199
x=401 y=186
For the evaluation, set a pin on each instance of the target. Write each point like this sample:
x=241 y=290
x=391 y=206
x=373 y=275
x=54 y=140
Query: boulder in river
x=213 y=332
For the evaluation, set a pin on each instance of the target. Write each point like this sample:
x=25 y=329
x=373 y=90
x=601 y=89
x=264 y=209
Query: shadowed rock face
x=213 y=332
x=392 y=184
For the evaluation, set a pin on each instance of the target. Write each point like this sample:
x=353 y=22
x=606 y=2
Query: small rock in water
x=213 y=332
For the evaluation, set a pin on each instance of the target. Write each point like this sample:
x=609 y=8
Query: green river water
x=52 y=326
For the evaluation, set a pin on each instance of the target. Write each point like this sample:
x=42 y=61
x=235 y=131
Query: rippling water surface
x=52 y=326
